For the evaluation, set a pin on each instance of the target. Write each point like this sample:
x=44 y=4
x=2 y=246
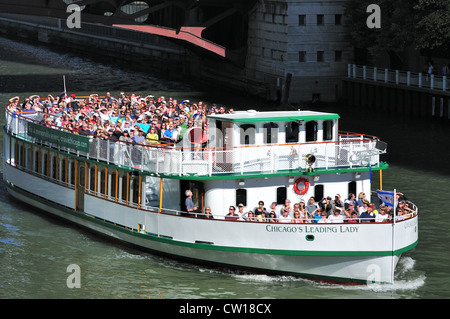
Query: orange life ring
x=303 y=191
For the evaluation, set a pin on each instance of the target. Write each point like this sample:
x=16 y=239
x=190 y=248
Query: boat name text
x=312 y=229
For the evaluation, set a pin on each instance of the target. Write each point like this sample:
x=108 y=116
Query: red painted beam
x=189 y=34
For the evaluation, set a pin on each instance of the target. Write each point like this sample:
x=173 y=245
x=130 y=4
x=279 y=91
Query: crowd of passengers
x=326 y=210
x=130 y=118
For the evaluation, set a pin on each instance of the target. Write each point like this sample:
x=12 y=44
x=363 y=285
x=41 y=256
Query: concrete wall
x=276 y=40
x=151 y=52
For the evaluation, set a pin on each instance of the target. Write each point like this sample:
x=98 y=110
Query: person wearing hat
x=367 y=216
x=241 y=211
x=326 y=205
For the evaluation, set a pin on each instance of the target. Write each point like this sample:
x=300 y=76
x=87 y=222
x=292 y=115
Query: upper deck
x=241 y=144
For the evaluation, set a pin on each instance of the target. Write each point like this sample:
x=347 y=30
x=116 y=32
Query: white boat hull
x=330 y=252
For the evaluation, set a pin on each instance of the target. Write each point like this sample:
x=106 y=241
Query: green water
x=35 y=250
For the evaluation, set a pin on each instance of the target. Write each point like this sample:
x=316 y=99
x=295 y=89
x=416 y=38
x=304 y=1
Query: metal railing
x=350 y=151
x=408 y=78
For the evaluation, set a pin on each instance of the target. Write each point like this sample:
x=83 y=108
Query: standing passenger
x=190 y=208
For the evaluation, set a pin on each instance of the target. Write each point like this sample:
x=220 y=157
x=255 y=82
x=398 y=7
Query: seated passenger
x=326 y=205
x=232 y=214
x=316 y=216
x=261 y=217
x=368 y=216
x=353 y=218
x=287 y=206
x=285 y=218
x=297 y=219
x=152 y=137
x=260 y=209
x=207 y=214
x=337 y=201
x=323 y=218
x=381 y=217
x=311 y=207
x=241 y=211
x=250 y=216
x=336 y=217
x=272 y=217
x=273 y=208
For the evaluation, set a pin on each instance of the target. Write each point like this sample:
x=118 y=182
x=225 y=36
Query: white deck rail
x=350 y=151
x=408 y=78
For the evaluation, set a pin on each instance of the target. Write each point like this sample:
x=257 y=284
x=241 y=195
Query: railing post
x=354 y=71
x=364 y=72
x=420 y=79
x=272 y=160
x=432 y=81
x=408 y=78
x=396 y=77
x=349 y=70
x=375 y=73
x=386 y=75
x=444 y=83
x=107 y=150
x=210 y=161
x=180 y=158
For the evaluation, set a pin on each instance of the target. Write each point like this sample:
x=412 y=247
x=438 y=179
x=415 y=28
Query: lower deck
x=136 y=189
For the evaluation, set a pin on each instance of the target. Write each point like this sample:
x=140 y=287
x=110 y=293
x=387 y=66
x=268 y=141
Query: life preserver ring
x=305 y=189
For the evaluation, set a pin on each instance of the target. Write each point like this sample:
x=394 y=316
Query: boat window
x=29 y=158
x=241 y=197
x=45 y=164
x=22 y=155
x=81 y=175
x=311 y=131
x=292 y=130
x=318 y=192
x=125 y=187
x=113 y=184
x=327 y=130
x=102 y=180
x=92 y=178
x=36 y=161
x=63 y=175
x=54 y=167
x=136 y=187
x=247 y=134
x=270 y=133
x=281 y=195
x=352 y=187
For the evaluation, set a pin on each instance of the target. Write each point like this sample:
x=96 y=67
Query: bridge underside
x=214 y=27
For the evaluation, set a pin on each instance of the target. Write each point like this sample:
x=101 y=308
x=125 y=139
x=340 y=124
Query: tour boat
x=136 y=193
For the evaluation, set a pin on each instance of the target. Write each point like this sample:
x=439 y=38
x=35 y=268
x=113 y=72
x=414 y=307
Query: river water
x=35 y=250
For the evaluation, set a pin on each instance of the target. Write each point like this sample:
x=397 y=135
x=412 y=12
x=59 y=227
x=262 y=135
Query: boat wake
x=406 y=279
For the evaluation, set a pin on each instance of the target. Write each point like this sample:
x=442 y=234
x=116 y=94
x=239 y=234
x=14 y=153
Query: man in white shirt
x=336 y=217
x=381 y=216
x=285 y=217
